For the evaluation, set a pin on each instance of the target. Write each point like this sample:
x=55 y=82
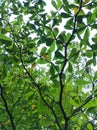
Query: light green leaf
x=72 y=102
x=52 y=47
x=89 y=126
x=4 y=37
x=82 y=82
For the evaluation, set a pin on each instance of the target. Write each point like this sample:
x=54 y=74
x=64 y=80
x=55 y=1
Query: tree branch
x=32 y=79
x=64 y=65
x=2 y=125
x=80 y=107
x=7 y=109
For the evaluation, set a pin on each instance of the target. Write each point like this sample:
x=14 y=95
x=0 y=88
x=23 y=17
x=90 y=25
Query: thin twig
x=88 y=99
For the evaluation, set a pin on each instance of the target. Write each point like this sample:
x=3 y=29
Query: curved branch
x=50 y=107
x=7 y=109
x=33 y=81
x=64 y=65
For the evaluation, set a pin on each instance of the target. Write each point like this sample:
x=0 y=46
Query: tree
x=47 y=80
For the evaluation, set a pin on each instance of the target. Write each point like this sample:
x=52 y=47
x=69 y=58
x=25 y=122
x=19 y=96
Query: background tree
x=47 y=80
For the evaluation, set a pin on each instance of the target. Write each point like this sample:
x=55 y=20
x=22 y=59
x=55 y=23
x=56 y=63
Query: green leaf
x=6 y=29
x=4 y=37
x=54 y=4
x=6 y=41
x=41 y=61
x=31 y=26
x=55 y=22
x=65 y=2
x=62 y=36
x=94 y=46
x=52 y=70
x=4 y=72
x=68 y=36
x=89 y=62
x=70 y=68
x=69 y=24
x=69 y=78
x=41 y=107
x=65 y=15
x=72 y=102
x=94 y=40
x=49 y=41
x=94 y=26
x=92 y=103
x=82 y=82
x=52 y=47
x=29 y=96
x=59 y=3
x=43 y=50
x=56 y=31
x=73 y=51
x=66 y=8
x=89 y=53
x=95 y=76
x=89 y=126
x=58 y=55
x=86 y=35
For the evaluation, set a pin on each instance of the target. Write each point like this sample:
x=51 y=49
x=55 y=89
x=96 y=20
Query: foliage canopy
x=47 y=80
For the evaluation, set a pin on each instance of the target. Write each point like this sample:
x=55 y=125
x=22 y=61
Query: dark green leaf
x=70 y=68
x=65 y=15
x=89 y=62
x=62 y=36
x=58 y=55
x=54 y=4
x=94 y=59
x=94 y=46
x=65 y=2
x=56 y=31
x=49 y=41
x=73 y=51
x=69 y=24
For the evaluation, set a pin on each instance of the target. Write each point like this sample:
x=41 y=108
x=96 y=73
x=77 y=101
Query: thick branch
x=50 y=108
x=7 y=109
x=39 y=90
x=65 y=62
x=32 y=79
